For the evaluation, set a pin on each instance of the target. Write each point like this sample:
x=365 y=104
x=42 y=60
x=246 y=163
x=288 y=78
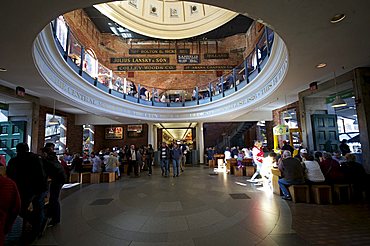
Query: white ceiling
x=303 y=25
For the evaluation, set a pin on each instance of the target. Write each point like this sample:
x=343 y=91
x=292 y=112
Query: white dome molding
x=81 y=94
x=170 y=19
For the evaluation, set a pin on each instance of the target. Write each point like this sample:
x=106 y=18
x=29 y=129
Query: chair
x=300 y=193
x=322 y=194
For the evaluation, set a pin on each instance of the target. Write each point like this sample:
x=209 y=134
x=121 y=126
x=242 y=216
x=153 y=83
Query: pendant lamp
x=53 y=120
x=338 y=101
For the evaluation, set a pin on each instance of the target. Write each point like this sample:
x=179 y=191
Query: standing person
x=10 y=206
x=344 y=148
x=149 y=158
x=96 y=163
x=184 y=149
x=55 y=171
x=77 y=163
x=164 y=156
x=27 y=171
x=286 y=146
x=292 y=173
x=227 y=154
x=176 y=156
x=132 y=161
x=257 y=158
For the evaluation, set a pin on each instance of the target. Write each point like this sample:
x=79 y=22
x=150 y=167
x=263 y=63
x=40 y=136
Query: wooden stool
x=249 y=171
x=300 y=193
x=107 y=177
x=342 y=192
x=95 y=178
x=85 y=178
x=211 y=164
x=74 y=178
x=322 y=194
x=238 y=172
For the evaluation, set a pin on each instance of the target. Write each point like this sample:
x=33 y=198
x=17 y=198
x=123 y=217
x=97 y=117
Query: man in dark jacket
x=292 y=173
x=56 y=173
x=286 y=146
x=164 y=154
x=176 y=154
x=26 y=170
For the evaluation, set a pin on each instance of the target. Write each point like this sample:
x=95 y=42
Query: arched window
x=91 y=63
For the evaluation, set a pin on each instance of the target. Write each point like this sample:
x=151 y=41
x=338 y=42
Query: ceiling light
x=321 y=65
x=287 y=116
x=338 y=102
x=337 y=18
x=3 y=69
x=53 y=120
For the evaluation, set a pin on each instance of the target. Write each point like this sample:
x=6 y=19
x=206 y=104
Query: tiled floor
x=200 y=209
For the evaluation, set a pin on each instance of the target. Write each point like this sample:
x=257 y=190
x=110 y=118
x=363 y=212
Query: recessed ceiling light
x=321 y=65
x=3 y=69
x=337 y=18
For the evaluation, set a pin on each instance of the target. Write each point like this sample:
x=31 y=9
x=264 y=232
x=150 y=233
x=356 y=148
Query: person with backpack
x=55 y=172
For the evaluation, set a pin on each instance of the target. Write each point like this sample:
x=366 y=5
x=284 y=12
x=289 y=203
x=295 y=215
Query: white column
x=155 y=137
x=200 y=143
x=151 y=134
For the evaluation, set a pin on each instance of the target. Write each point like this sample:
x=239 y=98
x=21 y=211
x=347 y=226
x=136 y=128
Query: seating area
x=92 y=178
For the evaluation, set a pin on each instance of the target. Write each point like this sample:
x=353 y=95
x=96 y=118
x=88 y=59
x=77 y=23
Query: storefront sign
x=157 y=51
x=135 y=128
x=146 y=67
x=216 y=56
x=114 y=133
x=342 y=94
x=208 y=67
x=239 y=50
x=139 y=60
x=280 y=130
x=188 y=59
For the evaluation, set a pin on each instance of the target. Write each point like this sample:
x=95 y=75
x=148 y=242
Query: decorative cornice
x=81 y=94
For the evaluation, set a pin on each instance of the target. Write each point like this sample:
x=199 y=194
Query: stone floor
x=200 y=209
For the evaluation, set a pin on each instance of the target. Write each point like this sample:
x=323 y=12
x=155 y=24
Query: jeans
x=164 y=166
x=38 y=213
x=283 y=184
x=176 y=164
x=54 y=205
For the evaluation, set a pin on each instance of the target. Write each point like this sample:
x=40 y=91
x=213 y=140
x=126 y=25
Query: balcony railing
x=106 y=80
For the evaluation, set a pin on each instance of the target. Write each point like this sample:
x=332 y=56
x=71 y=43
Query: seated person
x=354 y=174
x=300 y=154
x=96 y=162
x=312 y=169
x=338 y=157
x=112 y=164
x=331 y=169
x=291 y=172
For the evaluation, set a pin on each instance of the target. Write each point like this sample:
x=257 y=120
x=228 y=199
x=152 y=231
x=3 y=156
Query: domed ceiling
x=170 y=19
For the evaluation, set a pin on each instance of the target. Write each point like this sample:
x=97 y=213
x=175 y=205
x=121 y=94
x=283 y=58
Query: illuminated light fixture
x=321 y=65
x=3 y=69
x=286 y=115
x=338 y=101
x=54 y=120
x=111 y=131
x=337 y=18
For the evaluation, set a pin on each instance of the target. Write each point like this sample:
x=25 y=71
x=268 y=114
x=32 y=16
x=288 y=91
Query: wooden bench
x=249 y=171
x=322 y=194
x=238 y=171
x=85 y=178
x=107 y=177
x=74 y=178
x=342 y=192
x=95 y=178
x=300 y=193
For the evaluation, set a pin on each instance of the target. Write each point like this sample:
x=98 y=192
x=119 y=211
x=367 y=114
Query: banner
x=157 y=51
x=139 y=60
x=216 y=56
x=146 y=67
x=188 y=59
x=209 y=67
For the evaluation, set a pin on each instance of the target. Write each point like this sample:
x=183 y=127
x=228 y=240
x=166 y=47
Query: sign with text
x=135 y=128
x=139 y=60
x=216 y=56
x=208 y=67
x=114 y=133
x=188 y=59
x=157 y=51
x=146 y=67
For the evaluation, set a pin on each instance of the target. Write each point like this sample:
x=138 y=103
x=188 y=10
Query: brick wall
x=107 y=46
x=102 y=143
x=74 y=132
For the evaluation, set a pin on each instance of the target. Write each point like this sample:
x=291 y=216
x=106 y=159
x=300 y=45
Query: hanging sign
x=188 y=59
x=216 y=56
x=208 y=67
x=157 y=51
x=114 y=133
x=139 y=60
x=146 y=67
x=280 y=130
